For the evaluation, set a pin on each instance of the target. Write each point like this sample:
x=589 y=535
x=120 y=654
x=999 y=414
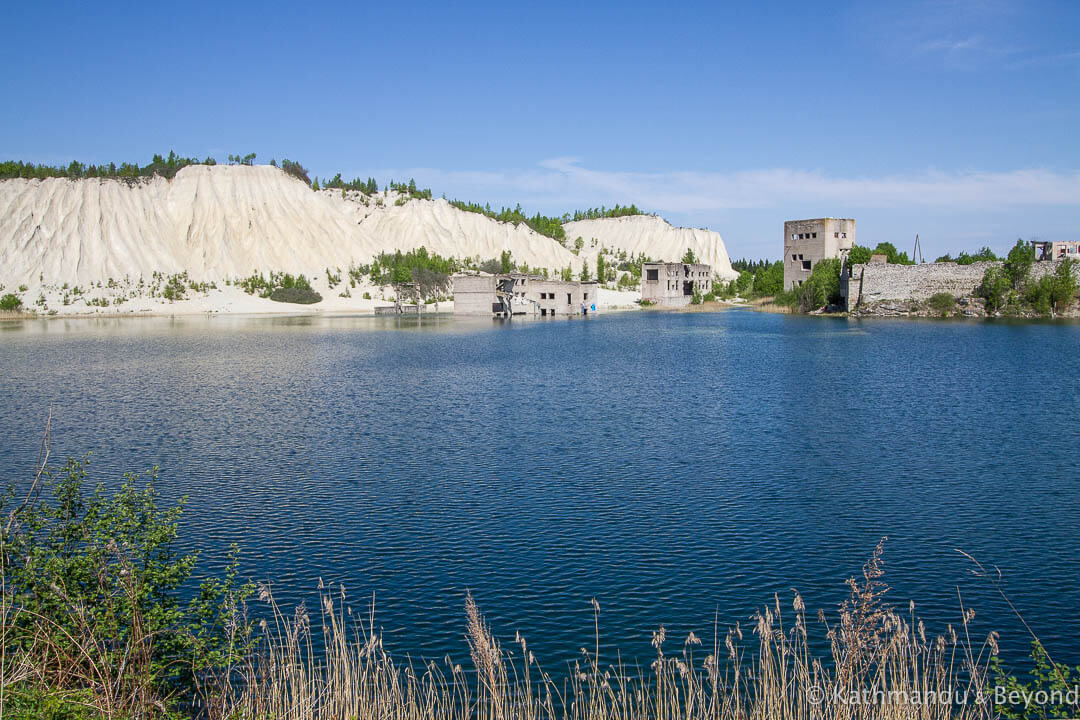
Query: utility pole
x=917 y=252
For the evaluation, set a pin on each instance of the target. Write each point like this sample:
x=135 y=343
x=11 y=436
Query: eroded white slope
x=213 y=222
x=229 y=221
x=653 y=236
x=448 y=231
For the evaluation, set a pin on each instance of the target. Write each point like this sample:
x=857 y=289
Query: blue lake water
x=677 y=467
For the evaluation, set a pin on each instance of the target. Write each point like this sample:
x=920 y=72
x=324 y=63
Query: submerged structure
x=808 y=241
x=674 y=284
x=520 y=294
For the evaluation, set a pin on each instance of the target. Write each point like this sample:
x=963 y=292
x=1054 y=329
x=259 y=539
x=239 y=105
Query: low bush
x=10 y=302
x=298 y=295
x=942 y=303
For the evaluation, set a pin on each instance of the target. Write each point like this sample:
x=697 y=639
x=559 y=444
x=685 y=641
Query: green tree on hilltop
x=1018 y=264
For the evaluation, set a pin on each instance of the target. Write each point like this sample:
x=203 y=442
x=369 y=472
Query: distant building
x=674 y=283
x=519 y=294
x=808 y=241
x=1045 y=250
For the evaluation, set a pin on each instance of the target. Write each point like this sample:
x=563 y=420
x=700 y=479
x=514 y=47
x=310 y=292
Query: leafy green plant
x=10 y=302
x=1063 y=284
x=942 y=303
x=1018 y=264
x=298 y=295
x=602 y=212
x=995 y=288
x=93 y=592
x=166 y=167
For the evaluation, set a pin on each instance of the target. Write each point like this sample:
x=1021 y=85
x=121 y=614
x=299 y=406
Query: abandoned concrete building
x=1060 y=250
x=674 y=283
x=519 y=294
x=808 y=241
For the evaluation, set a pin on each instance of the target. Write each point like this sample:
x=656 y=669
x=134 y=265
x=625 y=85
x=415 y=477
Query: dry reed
x=881 y=666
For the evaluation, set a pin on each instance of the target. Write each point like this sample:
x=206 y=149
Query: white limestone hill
x=224 y=222
x=444 y=229
x=652 y=236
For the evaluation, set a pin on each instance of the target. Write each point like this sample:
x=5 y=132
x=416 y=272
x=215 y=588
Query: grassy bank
x=93 y=626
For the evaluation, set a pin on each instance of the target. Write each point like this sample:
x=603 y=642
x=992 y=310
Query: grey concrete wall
x=559 y=297
x=833 y=236
x=474 y=294
x=875 y=283
x=667 y=289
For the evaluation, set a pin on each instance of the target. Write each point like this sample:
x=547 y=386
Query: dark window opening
x=652 y=275
x=805 y=264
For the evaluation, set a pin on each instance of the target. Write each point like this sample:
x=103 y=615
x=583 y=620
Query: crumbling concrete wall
x=870 y=284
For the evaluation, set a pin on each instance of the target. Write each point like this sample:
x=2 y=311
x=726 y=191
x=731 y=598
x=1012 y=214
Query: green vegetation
x=757 y=279
x=548 y=226
x=10 y=302
x=689 y=257
x=368 y=187
x=174 y=287
x=93 y=621
x=1047 y=679
x=859 y=255
x=166 y=167
x=409 y=189
x=942 y=303
x=296 y=294
x=397 y=268
x=1018 y=264
x=602 y=212
x=429 y=271
x=248 y=159
x=1009 y=289
x=281 y=287
x=820 y=289
x=983 y=255
x=295 y=169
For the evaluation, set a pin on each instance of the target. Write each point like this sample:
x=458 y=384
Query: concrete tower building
x=808 y=241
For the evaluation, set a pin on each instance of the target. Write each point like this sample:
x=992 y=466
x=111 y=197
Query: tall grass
x=880 y=664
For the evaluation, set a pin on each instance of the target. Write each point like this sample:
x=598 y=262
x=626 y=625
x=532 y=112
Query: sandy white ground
x=343 y=297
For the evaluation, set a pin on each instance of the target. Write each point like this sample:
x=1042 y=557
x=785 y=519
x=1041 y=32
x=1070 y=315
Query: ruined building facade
x=519 y=294
x=674 y=283
x=806 y=242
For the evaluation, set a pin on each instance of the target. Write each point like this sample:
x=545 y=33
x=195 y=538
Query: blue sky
x=955 y=119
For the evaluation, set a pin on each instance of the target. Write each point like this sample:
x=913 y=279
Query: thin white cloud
x=567 y=183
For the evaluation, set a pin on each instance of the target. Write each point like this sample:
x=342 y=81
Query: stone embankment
x=904 y=290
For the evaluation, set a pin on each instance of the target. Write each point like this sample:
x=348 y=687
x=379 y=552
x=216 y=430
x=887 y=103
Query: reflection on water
x=674 y=466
